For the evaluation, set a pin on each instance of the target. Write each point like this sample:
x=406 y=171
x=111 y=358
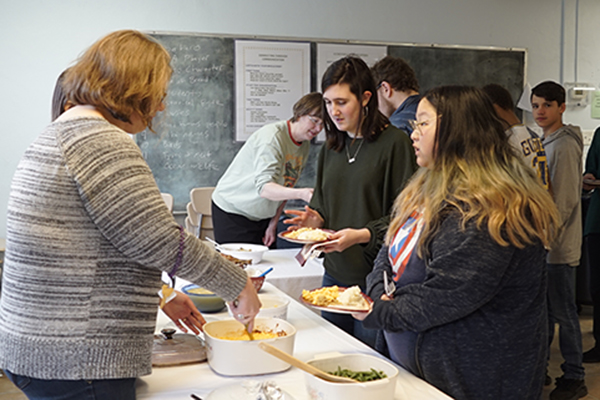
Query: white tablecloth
x=314 y=336
x=288 y=275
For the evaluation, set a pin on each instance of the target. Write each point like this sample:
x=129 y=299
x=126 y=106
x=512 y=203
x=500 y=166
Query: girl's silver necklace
x=352 y=159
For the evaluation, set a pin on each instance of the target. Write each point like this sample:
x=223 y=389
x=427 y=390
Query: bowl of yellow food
x=204 y=300
x=230 y=351
x=244 y=251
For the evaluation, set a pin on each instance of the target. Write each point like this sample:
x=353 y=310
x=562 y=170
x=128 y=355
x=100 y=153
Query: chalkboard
x=435 y=66
x=195 y=139
x=194 y=144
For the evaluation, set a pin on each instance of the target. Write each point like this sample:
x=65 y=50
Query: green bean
x=360 y=376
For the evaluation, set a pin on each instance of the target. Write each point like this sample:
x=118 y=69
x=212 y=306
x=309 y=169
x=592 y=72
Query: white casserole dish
x=243 y=357
x=244 y=251
x=382 y=389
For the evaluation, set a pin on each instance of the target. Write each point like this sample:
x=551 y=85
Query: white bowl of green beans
x=375 y=377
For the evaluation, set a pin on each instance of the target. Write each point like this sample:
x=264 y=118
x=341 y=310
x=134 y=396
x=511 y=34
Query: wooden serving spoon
x=283 y=356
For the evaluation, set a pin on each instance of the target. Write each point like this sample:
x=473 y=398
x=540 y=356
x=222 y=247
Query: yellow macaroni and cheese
x=258 y=334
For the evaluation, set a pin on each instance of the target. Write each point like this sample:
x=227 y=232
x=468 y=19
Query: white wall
x=38 y=39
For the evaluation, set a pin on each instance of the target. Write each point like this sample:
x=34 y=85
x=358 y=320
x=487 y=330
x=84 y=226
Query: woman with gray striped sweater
x=88 y=237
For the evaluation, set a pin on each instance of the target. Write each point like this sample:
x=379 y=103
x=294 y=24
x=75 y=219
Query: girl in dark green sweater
x=361 y=169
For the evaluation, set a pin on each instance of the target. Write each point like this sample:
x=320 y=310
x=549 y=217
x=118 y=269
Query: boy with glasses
x=397 y=91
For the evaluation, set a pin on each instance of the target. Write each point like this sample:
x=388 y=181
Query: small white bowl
x=273 y=306
x=244 y=251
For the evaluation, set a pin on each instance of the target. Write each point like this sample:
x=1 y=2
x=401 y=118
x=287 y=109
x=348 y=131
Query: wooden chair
x=168 y=199
x=200 y=199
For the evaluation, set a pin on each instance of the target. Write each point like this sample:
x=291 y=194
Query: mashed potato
x=312 y=234
x=351 y=297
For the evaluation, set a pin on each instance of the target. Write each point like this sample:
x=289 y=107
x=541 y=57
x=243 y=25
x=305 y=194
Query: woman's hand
x=308 y=218
x=182 y=311
x=346 y=238
x=246 y=306
x=361 y=316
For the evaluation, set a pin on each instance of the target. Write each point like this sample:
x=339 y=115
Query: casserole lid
x=170 y=348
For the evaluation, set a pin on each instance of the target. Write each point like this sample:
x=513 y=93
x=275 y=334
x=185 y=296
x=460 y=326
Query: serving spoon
x=283 y=356
x=217 y=245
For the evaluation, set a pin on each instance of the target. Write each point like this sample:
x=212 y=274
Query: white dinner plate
x=592 y=182
x=338 y=308
x=281 y=235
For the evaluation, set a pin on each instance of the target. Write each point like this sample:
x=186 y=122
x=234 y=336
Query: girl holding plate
x=362 y=167
x=466 y=249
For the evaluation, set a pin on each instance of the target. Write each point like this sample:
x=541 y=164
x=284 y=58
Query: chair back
x=192 y=214
x=190 y=227
x=200 y=199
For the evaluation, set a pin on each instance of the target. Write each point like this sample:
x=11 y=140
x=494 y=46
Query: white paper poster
x=270 y=78
x=328 y=53
x=524 y=102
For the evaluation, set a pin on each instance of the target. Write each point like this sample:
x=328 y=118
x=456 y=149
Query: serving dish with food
x=244 y=251
x=306 y=235
x=204 y=300
x=381 y=375
x=231 y=353
x=337 y=299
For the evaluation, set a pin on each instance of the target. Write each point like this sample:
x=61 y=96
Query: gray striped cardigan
x=87 y=238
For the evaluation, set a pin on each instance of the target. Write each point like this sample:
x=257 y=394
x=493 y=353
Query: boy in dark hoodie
x=564 y=147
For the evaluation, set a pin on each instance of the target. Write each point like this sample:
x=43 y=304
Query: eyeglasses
x=419 y=125
x=378 y=86
x=315 y=120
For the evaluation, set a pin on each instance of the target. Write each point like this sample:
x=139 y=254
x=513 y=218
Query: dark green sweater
x=592 y=165
x=360 y=195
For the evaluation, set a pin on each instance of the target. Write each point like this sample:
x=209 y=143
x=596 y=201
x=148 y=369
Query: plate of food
x=337 y=299
x=592 y=182
x=306 y=235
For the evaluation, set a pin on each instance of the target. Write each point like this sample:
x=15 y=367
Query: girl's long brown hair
x=476 y=172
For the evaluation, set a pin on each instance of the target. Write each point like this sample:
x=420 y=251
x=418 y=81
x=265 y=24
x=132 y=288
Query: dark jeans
x=562 y=310
x=347 y=322
x=234 y=228
x=102 y=389
x=593 y=250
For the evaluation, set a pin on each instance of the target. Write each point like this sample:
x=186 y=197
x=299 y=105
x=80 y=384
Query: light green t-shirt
x=269 y=155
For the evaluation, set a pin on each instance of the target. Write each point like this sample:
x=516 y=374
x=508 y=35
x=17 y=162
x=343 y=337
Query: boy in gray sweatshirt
x=564 y=147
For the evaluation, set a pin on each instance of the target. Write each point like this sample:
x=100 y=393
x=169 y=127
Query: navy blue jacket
x=480 y=314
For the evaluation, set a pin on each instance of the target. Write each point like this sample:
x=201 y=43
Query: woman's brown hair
x=125 y=72
x=477 y=174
